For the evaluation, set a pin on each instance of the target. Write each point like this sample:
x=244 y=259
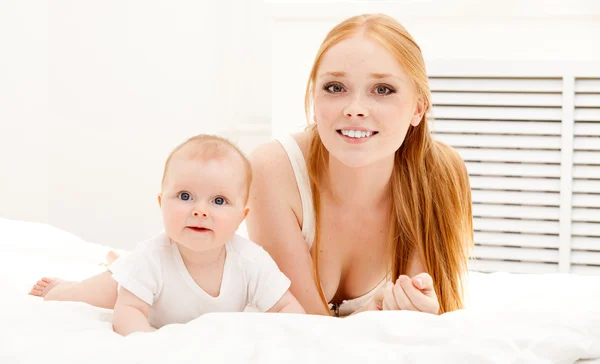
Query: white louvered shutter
x=585 y=248
x=508 y=131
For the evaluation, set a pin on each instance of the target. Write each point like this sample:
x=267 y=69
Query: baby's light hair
x=209 y=147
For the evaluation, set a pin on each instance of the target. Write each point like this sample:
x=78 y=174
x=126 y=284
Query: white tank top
x=308 y=218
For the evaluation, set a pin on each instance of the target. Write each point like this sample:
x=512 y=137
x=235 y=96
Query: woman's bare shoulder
x=273 y=176
x=303 y=139
x=271 y=158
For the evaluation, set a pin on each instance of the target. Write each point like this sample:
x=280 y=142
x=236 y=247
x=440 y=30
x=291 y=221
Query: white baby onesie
x=155 y=272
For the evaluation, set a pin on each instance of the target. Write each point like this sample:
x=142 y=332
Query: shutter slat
x=587 y=100
x=497 y=113
x=587 y=129
x=513 y=169
x=510 y=155
x=592 y=158
x=585 y=257
x=500 y=141
x=500 y=99
x=583 y=143
x=586 y=186
x=516 y=198
x=591 y=114
x=516 y=226
x=589 y=215
x=585 y=243
x=512 y=239
x=515 y=184
x=586 y=172
x=586 y=200
x=495 y=127
x=586 y=229
x=517 y=212
x=587 y=85
x=513 y=267
x=585 y=270
x=495 y=84
x=523 y=254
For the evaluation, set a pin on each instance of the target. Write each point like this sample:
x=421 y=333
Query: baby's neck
x=204 y=259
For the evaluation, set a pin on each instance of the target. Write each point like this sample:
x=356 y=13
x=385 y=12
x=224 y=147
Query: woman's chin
x=356 y=161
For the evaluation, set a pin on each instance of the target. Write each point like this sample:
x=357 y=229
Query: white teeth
x=357 y=133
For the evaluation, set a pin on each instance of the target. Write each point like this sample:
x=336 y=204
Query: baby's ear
x=159 y=200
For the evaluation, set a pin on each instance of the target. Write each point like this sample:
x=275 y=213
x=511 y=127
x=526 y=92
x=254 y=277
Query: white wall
x=93 y=95
x=24 y=126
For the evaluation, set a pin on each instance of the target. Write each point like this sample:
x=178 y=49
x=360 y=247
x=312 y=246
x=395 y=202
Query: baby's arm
x=287 y=304
x=130 y=314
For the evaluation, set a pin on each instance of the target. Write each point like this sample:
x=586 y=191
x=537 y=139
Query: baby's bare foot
x=111 y=256
x=45 y=285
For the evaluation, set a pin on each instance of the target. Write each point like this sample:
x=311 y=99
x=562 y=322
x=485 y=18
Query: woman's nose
x=355 y=109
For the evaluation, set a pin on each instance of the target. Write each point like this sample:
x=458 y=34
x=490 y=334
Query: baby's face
x=203 y=202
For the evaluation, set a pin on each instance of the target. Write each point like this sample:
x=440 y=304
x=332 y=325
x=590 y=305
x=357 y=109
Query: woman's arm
x=130 y=314
x=272 y=223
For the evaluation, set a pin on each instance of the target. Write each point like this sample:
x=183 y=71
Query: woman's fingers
x=416 y=294
x=400 y=295
x=424 y=283
x=423 y=299
x=389 y=300
x=376 y=302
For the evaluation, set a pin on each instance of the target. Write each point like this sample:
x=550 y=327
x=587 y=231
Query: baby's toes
x=39 y=287
x=36 y=291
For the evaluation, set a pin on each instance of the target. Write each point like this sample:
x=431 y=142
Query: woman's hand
x=416 y=294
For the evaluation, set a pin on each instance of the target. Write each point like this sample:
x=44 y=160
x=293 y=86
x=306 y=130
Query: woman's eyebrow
x=386 y=75
x=372 y=75
x=334 y=74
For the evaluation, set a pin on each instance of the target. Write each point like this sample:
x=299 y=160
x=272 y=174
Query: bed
x=510 y=318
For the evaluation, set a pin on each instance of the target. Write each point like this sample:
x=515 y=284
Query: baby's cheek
x=171 y=217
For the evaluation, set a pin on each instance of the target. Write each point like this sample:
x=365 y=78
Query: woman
x=364 y=210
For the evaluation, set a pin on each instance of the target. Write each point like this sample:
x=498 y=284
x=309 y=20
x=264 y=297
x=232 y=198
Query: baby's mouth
x=199 y=229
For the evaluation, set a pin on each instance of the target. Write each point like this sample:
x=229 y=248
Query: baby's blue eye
x=220 y=201
x=184 y=196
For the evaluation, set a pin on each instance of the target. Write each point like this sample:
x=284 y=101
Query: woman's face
x=364 y=102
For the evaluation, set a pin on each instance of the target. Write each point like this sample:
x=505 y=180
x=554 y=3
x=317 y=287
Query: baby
x=198 y=264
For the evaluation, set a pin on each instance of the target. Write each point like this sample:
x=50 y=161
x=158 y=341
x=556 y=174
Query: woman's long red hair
x=430 y=191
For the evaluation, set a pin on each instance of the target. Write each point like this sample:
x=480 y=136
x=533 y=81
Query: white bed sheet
x=510 y=319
